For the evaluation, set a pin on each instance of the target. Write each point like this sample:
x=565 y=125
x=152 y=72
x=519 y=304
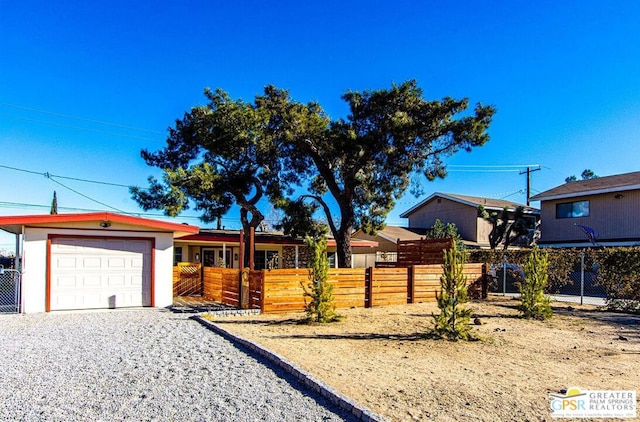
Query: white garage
x=94 y=260
x=99 y=272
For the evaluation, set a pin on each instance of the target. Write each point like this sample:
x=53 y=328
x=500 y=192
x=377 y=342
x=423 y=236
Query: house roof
x=473 y=201
x=393 y=233
x=605 y=184
x=14 y=223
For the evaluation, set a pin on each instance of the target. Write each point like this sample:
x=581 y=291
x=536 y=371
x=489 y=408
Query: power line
x=21 y=205
x=493 y=165
x=79 y=128
x=484 y=171
x=83 y=195
x=49 y=175
x=84 y=119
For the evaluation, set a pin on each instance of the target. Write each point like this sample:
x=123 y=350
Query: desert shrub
x=318 y=293
x=453 y=320
x=533 y=302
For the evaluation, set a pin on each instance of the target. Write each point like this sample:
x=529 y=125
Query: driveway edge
x=305 y=378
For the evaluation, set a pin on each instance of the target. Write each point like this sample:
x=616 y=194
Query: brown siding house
x=607 y=206
x=461 y=210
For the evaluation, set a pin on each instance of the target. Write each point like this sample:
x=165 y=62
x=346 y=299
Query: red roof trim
x=29 y=220
x=358 y=243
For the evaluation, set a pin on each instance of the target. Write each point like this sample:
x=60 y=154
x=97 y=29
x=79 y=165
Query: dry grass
x=383 y=358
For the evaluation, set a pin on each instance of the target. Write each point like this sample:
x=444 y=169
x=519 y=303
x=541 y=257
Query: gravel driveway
x=139 y=365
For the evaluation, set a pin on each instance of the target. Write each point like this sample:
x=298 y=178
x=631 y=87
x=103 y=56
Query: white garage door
x=90 y=273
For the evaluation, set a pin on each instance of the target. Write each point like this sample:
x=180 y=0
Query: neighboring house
x=610 y=206
x=386 y=251
x=94 y=260
x=221 y=248
x=462 y=210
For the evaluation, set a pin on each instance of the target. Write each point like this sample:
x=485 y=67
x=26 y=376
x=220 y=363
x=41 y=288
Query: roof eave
x=543 y=197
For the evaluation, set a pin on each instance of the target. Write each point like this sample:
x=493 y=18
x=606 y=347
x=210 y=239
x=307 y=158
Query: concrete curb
x=305 y=378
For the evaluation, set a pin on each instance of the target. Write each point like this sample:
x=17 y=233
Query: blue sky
x=84 y=86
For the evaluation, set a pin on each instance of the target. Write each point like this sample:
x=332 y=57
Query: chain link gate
x=9 y=290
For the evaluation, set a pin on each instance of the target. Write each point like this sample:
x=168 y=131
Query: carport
x=94 y=260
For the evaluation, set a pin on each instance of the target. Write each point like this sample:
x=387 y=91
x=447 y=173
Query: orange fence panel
x=281 y=290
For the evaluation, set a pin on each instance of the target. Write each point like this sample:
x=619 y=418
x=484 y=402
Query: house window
x=266 y=260
x=572 y=209
x=331 y=257
x=177 y=254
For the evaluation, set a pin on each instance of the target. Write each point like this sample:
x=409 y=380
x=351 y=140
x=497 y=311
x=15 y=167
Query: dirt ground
x=382 y=358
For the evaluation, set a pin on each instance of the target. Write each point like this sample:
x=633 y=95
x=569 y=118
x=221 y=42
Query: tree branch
x=326 y=209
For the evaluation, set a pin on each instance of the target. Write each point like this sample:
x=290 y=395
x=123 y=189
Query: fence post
x=262 y=292
x=485 y=281
x=581 y=278
x=504 y=276
x=368 y=288
x=411 y=289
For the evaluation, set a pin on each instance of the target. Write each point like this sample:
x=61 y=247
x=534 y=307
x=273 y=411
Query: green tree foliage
x=54 y=204
x=231 y=151
x=452 y=322
x=533 y=302
x=365 y=162
x=215 y=156
x=506 y=228
x=439 y=230
x=586 y=175
x=319 y=307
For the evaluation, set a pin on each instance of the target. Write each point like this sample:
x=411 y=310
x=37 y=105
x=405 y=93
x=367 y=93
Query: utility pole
x=528 y=172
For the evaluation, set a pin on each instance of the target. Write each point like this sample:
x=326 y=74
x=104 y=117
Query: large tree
x=216 y=156
x=236 y=152
x=365 y=162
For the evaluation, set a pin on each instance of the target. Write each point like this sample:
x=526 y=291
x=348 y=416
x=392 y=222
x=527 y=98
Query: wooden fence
x=423 y=251
x=278 y=291
x=186 y=279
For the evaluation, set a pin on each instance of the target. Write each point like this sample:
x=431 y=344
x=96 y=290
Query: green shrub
x=453 y=322
x=319 y=307
x=533 y=302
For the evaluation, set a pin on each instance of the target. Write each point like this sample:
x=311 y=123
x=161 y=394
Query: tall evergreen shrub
x=318 y=292
x=533 y=302
x=453 y=322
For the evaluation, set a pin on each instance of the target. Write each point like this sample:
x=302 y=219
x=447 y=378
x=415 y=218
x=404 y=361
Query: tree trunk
x=343 y=235
x=343 y=250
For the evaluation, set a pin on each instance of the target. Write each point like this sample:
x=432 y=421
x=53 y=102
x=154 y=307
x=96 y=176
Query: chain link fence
x=580 y=287
x=9 y=290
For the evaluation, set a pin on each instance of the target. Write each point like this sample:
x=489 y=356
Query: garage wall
x=35 y=263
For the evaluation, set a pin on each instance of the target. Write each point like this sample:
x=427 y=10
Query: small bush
x=533 y=302
x=319 y=308
x=453 y=322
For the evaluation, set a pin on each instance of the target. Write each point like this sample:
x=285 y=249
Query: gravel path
x=139 y=365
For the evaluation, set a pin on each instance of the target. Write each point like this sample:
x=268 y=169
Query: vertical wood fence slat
x=411 y=289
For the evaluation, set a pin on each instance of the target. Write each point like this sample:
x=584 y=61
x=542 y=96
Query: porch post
x=297 y=262
x=224 y=255
x=241 y=252
x=252 y=247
